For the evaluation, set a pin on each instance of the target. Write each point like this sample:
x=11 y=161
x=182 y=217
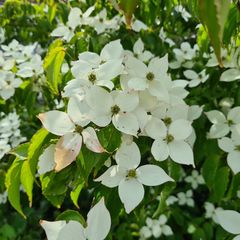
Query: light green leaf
x=213 y=14
x=12 y=183
x=52 y=65
x=69 y=215
x=75 y=194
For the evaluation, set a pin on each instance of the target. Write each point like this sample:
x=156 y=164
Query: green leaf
x=209 y=169
x=52 y=65
x=220 y=185
x=213 y=14
x=128 y=7
x=12 y=183
x=20 y=151
x=30 y=165
x=75 y=194
x=69 y=215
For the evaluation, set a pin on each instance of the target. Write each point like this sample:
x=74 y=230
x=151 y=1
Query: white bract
x=229 y=220
x=232 y=147
x=71 y=129
x=211 y=211
x=75 y=19
x=98 y=226
x=185 y=15
x=152 y=77
x=139 y=52
x=170 y=140
x=221 y=124
x=130 y=178
x=93 y=69
x=184 y=56
x=116 y=106
x=196 y=78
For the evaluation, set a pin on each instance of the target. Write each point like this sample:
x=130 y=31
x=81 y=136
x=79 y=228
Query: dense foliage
x=120 y=120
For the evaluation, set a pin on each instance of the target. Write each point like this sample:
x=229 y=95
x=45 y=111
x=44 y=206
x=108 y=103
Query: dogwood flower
x=186 y=198
x=196 y=78
x=185 y=15
x=70 y=126
x=221 y=124
x=229 y=221
x=98 y=226
x=232 y=147
x=170 y=141
x=152 y=77
x=93 y=69
x=130 y=178
x=195 y=179
x=117 y=106
x=75 y=19
x=155 y=228
x=8 y=83
x=184 y=56
x=211 y=211
x=139 y=52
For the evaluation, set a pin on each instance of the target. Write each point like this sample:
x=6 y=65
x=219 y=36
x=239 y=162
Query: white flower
x=156 y=228
x=101 y=24
x=229 y=220
x=75 y=19
x=117 y=106
x=185 y=15
x=184 y=56
x=186 y=198
x=8 y=83
x=93 y=69
x=98 y=226
x=31 y=68
x=232 y=147
x=130 y=178
x=164 y=38
x=152 y=77
x=196 y=78
x=195 y=179
x=211 y=211
x=139 y=52
x=170 y=141
x=71 y=129
x=221 y=124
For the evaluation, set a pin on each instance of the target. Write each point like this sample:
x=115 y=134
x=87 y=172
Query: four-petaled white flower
x=196 y=78
x=70 y=126
x=116 y=106
x=130 y=178
x=170 y=141
x=98 y=226
x=221 y=124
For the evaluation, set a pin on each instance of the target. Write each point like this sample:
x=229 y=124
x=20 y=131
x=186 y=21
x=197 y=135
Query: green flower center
x=237 y=148
x=92 y=77
x=131 y=173
x=230 y=122
x=78 y=129
x=169 y=138
x=150 y=76
x=167 y=121
x=115 y=109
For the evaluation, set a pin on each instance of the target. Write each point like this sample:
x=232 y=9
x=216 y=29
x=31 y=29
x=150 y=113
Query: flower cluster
x=18 y=62
x=10 y=135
